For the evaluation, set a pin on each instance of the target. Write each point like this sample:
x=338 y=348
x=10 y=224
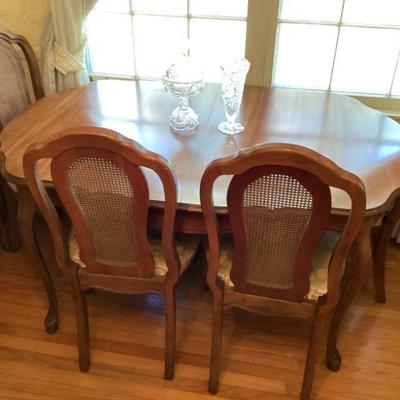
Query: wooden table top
x=352 y=135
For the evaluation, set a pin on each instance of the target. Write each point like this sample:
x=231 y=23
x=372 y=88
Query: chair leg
x=170 y=333
x=313 y=349
x=216 y=340
x=203 y=264
x=333 y=357
x=82 y=323
x=26 y=214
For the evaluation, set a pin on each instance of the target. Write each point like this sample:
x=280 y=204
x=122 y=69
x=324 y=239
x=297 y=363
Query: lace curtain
x=63 y=44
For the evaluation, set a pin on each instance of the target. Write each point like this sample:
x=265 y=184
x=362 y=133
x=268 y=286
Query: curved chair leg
x=203 y=263
x=216 y=341
x=361 y=261
x=170 y=332
x=381 y=249
x=313 y=350
x=82 y=324
x=9 y=217
x=334 y=358
x=26 y=214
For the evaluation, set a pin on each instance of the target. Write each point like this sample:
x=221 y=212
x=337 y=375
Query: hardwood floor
x=263 y=358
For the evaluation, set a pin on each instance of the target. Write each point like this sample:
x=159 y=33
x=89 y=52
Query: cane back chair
x=282 y=258
x=14 y=98
x=99 y=179
x=14 y=94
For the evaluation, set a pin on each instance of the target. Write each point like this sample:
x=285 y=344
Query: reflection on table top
x=354 y=136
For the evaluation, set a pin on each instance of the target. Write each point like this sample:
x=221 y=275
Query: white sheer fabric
x=63 y=44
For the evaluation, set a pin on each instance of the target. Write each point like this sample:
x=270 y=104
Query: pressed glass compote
x=183 y=79
x=234 y=76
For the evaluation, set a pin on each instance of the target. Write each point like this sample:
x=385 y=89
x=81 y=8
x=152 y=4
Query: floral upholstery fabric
x=319 y=274
x=186 y=247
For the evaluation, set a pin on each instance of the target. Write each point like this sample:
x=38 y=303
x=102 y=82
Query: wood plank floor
x=263 y=358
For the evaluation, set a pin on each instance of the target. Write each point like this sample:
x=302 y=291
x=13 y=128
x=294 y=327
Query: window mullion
x=132 y=14
x=135 y=31
x=341 y=24
x=188 y=16
x=262 y=19
x=336 y=45
x=394 y=74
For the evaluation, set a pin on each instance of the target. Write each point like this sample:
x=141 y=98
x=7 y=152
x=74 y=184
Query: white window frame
x=262 y=23
x=263 y=20
x=189 y=16
x=340 y=24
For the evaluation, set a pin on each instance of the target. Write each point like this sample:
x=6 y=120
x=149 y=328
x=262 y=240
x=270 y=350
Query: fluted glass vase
x=234 y=77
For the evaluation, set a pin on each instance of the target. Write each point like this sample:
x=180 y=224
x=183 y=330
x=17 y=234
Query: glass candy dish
x=183 y=79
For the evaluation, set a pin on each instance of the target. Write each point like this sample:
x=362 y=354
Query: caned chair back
x=279 y=205
x=99 y=179
x=14 y=93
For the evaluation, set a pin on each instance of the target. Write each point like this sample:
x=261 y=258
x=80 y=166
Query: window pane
x=383 y=12
x=304 y=55
x=216 y=41
x=111 y=49
x=157 y=42
x=311 y=10
x=232 y=8
x=166 y=7
x=113 y=5
x=366 y=60
x=396 y=84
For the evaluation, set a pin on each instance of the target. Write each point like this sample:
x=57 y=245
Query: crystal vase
x=234 y=77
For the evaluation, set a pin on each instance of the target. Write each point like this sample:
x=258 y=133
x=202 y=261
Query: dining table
x=357 y=138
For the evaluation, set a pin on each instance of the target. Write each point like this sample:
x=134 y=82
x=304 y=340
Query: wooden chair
x=98 y=176
x=14 y=98
x=281 y=259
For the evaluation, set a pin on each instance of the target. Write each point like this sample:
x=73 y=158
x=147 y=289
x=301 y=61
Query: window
x=350 y=46
x=139 y=38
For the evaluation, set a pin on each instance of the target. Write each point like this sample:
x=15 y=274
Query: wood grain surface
x=263 y=358
x=352 y=135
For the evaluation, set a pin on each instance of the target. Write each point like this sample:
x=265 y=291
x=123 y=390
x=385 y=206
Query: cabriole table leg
x=9 y=217
x=26 y=213
x=359 y=264
x=388 y=224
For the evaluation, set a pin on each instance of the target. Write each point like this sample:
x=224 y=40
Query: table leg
x=388 y=224
x=26 y=213
x=9 y=217
x=360 y=262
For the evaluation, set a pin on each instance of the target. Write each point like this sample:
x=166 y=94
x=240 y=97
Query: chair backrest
x=14 y=93
x=98 y=177
x=279 y=205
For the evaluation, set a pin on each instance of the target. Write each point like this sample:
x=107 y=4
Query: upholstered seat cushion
x=186 y=246
x=319 y=274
